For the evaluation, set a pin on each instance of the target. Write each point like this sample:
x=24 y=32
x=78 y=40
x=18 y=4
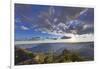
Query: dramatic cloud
x=54 y=19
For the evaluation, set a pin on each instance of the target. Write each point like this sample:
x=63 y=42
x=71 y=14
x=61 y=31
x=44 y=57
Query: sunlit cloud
x=24 y=28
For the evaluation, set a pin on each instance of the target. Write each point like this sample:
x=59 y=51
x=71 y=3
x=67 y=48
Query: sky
x=51 y=21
